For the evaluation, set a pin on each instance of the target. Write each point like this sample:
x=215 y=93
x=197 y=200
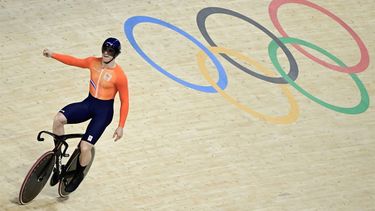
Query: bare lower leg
x=58 y=129
x=85 y=156
x=84 y=159
x=58 y=124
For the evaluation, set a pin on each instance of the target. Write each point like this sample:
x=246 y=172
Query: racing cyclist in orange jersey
x=106 y=79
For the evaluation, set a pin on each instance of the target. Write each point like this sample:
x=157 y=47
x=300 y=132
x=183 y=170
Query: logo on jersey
x=107 y=76
x=89 y=138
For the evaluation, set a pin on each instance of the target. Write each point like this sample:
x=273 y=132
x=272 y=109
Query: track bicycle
x=49 y=162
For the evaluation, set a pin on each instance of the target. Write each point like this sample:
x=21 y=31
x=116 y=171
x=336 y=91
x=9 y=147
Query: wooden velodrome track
x=185 y=149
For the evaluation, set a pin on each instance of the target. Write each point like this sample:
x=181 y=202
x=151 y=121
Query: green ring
x=361 y=107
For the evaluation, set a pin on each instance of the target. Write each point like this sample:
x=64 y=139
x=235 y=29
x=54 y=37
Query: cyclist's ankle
x=80 y=168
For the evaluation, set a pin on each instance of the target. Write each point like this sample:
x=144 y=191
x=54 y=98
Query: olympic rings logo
x=268 y=75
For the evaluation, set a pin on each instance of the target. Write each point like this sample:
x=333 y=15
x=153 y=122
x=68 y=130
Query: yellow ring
x=293 y=112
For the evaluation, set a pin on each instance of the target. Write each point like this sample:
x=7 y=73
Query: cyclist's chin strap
x=109 y=61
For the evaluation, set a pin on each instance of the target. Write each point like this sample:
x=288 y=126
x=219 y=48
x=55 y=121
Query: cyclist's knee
x=60 y=119
x=85 y=146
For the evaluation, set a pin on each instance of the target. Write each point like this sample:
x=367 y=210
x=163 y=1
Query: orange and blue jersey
x=104 y=82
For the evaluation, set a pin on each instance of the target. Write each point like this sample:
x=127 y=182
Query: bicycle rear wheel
x=37 y=177
x=71 y=167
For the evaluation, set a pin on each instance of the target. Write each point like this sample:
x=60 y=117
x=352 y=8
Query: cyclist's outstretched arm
x=66 y=59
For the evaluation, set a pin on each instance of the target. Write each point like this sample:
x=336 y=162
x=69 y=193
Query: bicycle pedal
x=66 y=155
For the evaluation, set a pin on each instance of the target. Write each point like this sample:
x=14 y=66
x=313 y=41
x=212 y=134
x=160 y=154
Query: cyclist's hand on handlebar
x=118 y=133
x=47 y=53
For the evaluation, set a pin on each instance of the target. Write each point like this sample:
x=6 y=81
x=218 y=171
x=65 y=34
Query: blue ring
x=133 y=21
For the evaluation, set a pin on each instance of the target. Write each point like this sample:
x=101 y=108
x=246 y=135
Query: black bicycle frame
x=59 y=142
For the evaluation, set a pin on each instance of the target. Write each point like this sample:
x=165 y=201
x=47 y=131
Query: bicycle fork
x=59 y=169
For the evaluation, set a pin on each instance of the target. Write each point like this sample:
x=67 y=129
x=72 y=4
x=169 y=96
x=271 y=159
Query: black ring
x=201 y=21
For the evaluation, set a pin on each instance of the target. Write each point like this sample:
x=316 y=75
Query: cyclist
x=106 y=79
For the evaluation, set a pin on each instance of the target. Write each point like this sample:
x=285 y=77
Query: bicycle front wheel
x=37 y=177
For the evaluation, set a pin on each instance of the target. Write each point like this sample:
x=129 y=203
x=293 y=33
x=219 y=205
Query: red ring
x=363 y=63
